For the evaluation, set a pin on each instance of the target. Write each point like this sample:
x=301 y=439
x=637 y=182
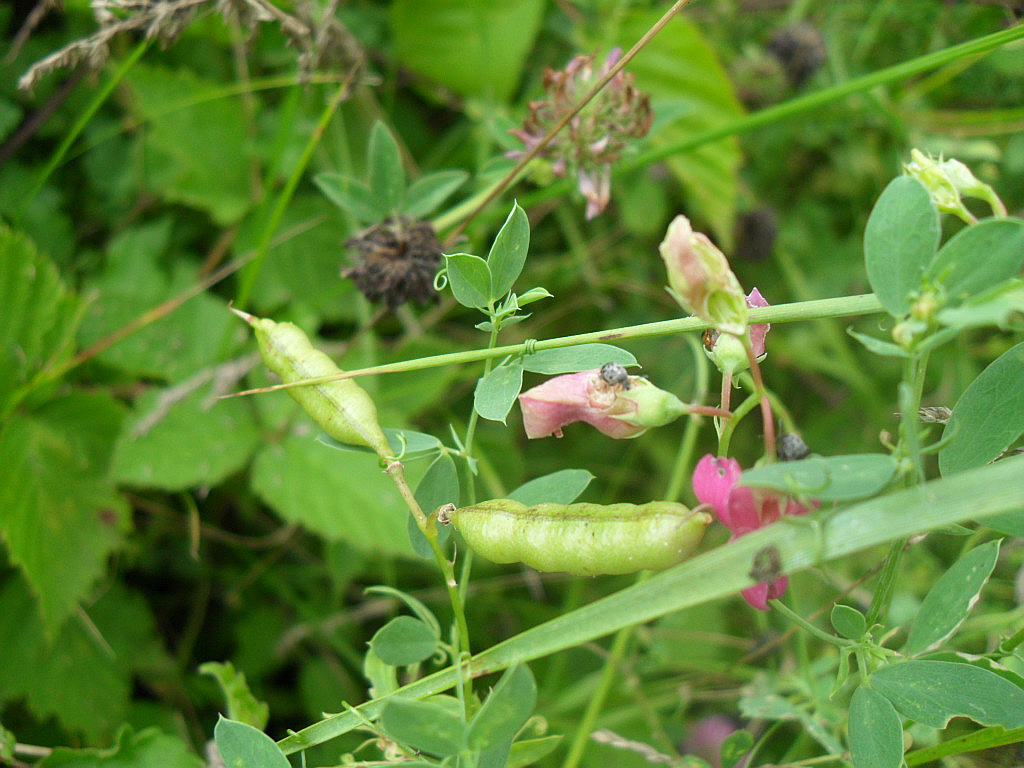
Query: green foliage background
x=149 y=526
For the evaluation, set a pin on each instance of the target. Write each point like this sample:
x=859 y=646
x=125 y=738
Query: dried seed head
x=396 y=262
x=801 y=51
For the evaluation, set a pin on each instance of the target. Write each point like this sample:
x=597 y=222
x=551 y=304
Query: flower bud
x=949 y=180
x=726 y=351
x=699 y=275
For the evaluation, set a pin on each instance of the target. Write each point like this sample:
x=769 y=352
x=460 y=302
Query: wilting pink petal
x=713 y=480
x=759 y=594
x=596 y=187
x=760 y=331
x=562 y=400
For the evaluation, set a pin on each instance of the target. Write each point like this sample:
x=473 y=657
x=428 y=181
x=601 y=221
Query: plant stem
x=781 y=607
x=730 y=426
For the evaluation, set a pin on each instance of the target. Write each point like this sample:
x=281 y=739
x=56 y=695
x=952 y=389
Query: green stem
x=800 y=621
x=844 y=306
x=83 y=120
x=730 y=426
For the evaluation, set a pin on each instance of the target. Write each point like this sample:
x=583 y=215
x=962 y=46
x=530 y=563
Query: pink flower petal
x=759 y=332
x=713 y=480
x=566 y=399
x=744 y=511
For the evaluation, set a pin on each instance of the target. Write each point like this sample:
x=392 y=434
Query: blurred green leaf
x=878 y=346
x=680 y=70
x=428 y=192
x=951 y=598
x=505 y=711
x=415 y=605
x=403 y=641
x=934 y=692
x=149 y=748
x=530 y=751
x=900 y=241
x=993 y=307
x=337 y=496
x=242 y=746
x=849 y=622
x=425 y=726
x=59 y=514
x=988 y=417
x=573 y=359
x=474 y=47
x=735 y=746
x=35 y=317
x=351 y=195
x=508 y=252
x=876 y=733
x=182 y=437
x=241 y=703
x=401 y=441
x=440 y=485
x=190 y=123
x=829 y=478
x=469 y=278
x=979 y=257
x=497 y=391
x=387 y=172
x=561 y=487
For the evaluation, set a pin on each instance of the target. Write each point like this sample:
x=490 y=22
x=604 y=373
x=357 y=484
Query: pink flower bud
x=612 y=408
x=699 y=275
x=727 y=351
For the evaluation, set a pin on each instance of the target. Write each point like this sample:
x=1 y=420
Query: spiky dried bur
x=397 y=261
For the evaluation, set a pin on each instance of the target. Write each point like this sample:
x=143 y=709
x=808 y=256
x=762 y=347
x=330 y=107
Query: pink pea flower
x=619 y=409
x=743 y=510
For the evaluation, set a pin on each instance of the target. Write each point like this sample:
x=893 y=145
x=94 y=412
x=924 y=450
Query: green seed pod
x=582 y=539
x=341 y=408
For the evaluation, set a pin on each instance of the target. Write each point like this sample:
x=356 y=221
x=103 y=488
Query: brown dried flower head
x=396 y=261
x=594 y=138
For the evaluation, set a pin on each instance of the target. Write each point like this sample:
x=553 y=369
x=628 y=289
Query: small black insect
x=615 y=374
x=791 y=447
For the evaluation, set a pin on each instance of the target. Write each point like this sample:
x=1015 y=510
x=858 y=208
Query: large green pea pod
x=582 y=539
x=341 y=408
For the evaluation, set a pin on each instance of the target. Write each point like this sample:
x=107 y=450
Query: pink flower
x=743 y=510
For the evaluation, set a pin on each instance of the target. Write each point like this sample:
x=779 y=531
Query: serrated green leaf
x=403 y=641
x=174 y=104
x=474 y=47
x=681 y=71
x=149 y=748
x=469 y=278
x=876 y=733
x=561 y=487
x=580 y=358
x=934 y=692
x=89 y=659
x=496 y=392
x=508 y=252
x=174 y=443
x=387 y=172
x=848 y=622
x=242 y=746
x=351 y=195
x=424 y=725
x=979 y=257
x=988 y=417
x=505 y=711
x=428 y=192
x=878 y=346
x=829 y=478
x=59 y=514
x=241 y=703
x=31 y=296
x=951 y=598
x=440 y=485
x=342 y=497
x=900 y=241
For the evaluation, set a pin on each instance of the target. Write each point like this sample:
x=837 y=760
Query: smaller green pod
x=581 y=539
x=341 y=408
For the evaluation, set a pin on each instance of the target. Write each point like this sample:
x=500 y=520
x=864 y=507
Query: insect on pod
x=340 y=408
x=581 y=539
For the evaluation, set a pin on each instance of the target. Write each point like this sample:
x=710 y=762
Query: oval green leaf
x=876 y=734
x=934 y=692
x=403 y=641
x=242 y=746
x=470 y=279
x=979 y=257
x=849 y=622
x=900 y=240
x=428 y=192
x=506 y=710
x=351 y=195
x=424 y=725
x=988 y=417
x=497 y=391
x=387 y=174
x=585 y=357
x=561 y=487
x=831 y=478
x=508 y=253
x=951 y=598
